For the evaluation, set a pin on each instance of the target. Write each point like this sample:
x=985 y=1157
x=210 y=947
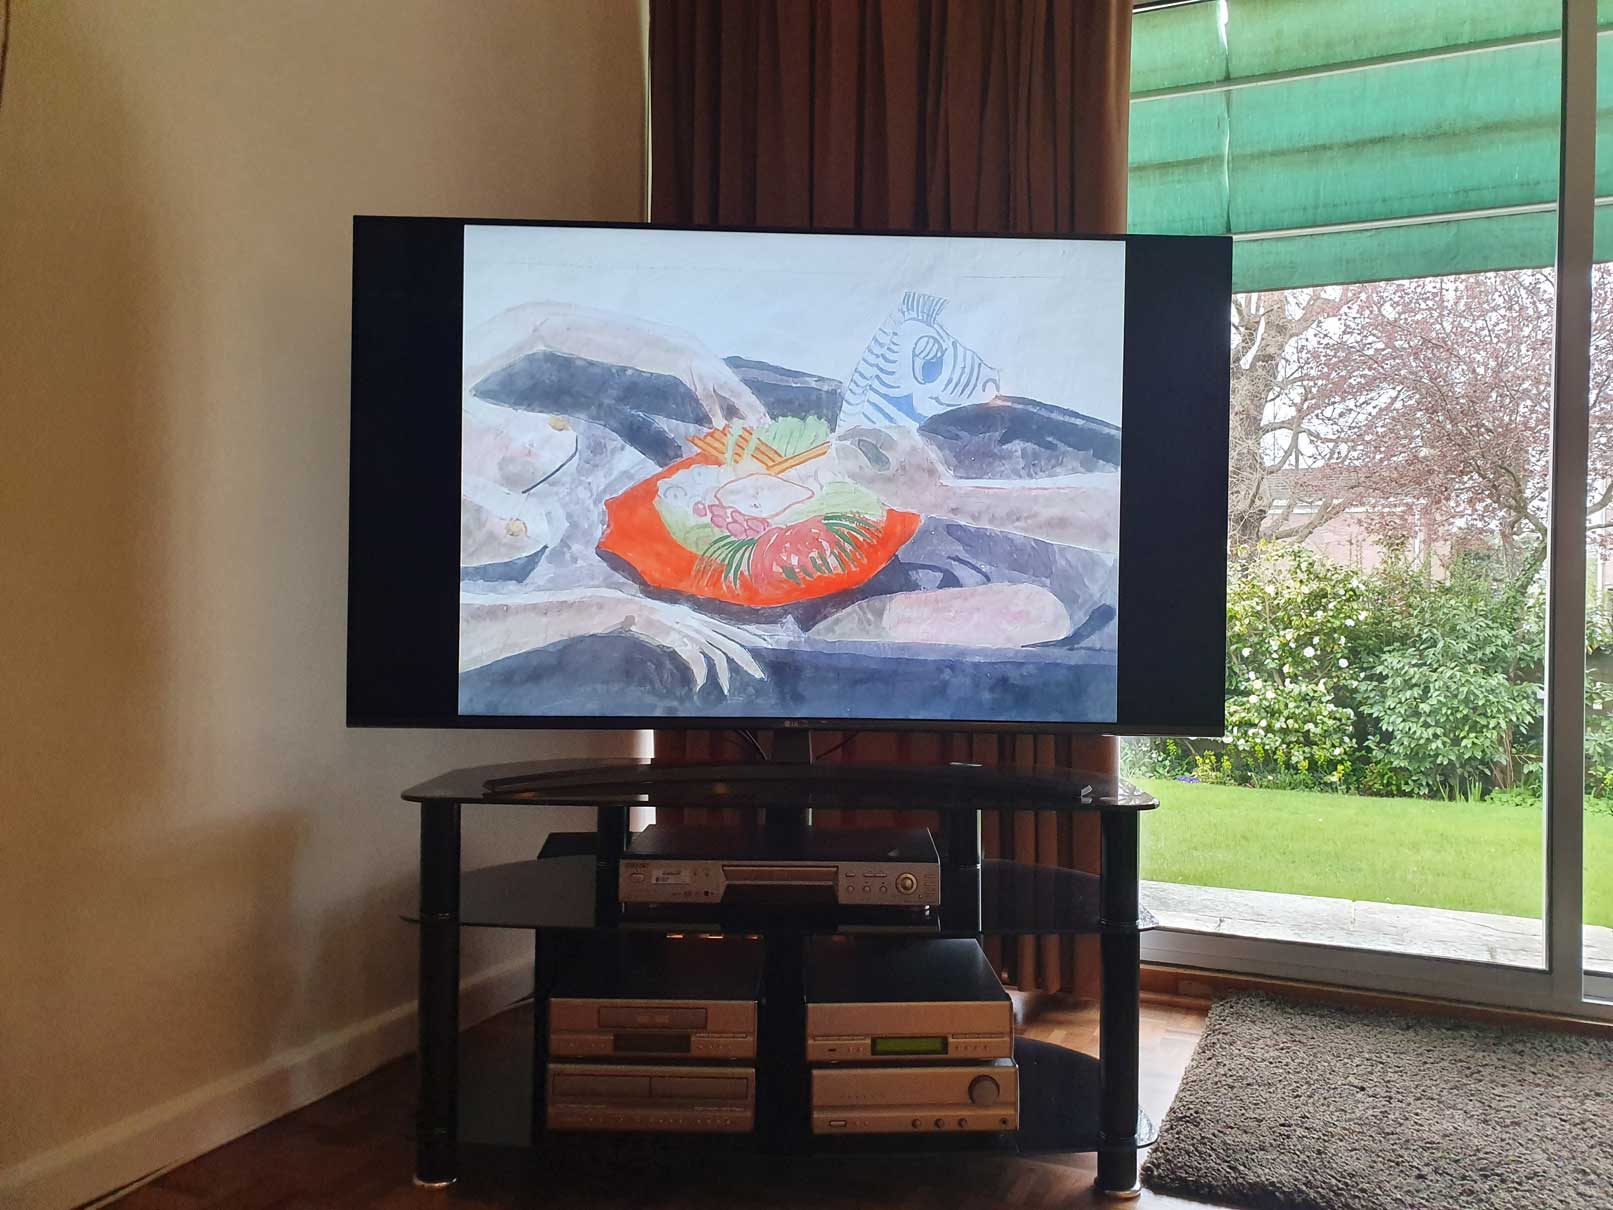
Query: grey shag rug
x=1304 y=1106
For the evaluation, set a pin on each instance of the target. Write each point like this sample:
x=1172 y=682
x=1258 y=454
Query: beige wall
x=200 y=867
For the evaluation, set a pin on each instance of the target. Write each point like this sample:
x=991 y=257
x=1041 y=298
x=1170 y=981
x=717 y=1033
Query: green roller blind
x=1354 y=140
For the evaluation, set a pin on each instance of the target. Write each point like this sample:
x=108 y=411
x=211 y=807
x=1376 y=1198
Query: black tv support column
x=567 y=898
x=791 y=746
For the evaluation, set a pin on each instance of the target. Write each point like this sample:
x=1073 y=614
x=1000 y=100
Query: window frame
x=1560 y=985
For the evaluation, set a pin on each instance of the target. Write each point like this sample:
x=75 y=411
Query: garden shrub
x=1164 y=757
x=1454 y=699
x=1283 y=733
x=1294 y=629
x=1389 y=683
x=1527 y=797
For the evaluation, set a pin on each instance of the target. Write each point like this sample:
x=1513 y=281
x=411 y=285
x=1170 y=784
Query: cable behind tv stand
x=566 y=897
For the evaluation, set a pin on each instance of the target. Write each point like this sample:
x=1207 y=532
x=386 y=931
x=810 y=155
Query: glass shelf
x=848 y=787
x=1058 y=1102
x=1058 y=1112
x=556 y=890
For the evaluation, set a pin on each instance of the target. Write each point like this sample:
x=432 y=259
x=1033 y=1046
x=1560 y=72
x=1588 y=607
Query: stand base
x=420 y=1184
x=1119 y=1195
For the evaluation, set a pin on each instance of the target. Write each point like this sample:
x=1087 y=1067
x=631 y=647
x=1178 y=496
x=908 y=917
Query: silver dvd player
x=671 y=864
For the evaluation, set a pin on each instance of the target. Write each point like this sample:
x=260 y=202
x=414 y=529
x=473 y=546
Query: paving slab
x=1397 y=928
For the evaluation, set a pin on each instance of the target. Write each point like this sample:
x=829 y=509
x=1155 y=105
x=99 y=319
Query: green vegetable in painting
x=792 y=435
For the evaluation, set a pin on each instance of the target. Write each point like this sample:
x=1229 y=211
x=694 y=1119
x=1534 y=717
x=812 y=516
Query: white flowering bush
x=1295 y=625
x=1286 y=734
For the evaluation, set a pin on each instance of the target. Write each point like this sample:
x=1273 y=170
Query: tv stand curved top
x=667 y=782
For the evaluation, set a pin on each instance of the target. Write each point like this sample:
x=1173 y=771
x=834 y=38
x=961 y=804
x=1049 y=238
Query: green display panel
x=909 y=1046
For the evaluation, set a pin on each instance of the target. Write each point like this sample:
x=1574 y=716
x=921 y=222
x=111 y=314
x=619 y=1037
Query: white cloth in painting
x=533 y=486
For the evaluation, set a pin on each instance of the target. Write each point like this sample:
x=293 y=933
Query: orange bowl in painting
x=748 y=559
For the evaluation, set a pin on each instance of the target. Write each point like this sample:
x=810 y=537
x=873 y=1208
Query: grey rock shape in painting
x=786 y=392
x=1017 y=438
x=652 y=412
x=947 y=555
x=986 y=615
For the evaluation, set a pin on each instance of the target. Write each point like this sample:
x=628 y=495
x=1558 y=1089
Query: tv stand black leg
x=610 y=830
x=783 y=1081
x=1119 y=1026
x=437 y=1119
x=961 y=857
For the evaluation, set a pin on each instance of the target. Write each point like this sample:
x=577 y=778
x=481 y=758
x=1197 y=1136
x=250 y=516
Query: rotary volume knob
x=983 y=1091
x=906 y=883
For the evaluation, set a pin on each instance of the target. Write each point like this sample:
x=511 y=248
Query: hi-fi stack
x=903 y=1034
x=908 y=1035
x=656 y=1033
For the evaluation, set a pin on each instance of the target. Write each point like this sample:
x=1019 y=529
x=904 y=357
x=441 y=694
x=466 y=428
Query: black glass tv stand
x=566 y=897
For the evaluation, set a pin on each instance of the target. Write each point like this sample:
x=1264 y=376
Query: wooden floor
x=352 y=1151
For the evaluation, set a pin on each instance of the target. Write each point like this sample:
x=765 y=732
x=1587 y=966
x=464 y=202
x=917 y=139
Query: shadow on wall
x=88 y=534
x=207 y=867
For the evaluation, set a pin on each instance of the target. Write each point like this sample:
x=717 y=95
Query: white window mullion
x=1570 y=443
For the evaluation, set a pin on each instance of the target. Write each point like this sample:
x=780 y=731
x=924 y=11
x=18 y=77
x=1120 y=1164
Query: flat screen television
x=635 y=475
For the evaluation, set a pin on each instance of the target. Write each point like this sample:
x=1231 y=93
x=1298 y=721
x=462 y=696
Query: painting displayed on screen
x=788 y=475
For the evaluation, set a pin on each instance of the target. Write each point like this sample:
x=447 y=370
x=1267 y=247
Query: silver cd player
x=671 y=864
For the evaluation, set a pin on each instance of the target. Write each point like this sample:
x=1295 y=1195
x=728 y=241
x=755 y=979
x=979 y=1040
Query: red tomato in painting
x=634 y=532
x=804 y=551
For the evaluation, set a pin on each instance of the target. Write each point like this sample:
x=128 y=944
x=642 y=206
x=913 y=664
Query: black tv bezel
x=407 y=289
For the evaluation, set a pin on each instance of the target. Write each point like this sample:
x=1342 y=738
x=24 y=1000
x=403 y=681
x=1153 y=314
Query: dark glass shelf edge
x=556 y=891
x=665 y=782
x=1059 y=1093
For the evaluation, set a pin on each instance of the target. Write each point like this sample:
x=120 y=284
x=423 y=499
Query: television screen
x=637 y=475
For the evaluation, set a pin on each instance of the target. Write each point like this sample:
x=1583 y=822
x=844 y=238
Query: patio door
x=1415 y=791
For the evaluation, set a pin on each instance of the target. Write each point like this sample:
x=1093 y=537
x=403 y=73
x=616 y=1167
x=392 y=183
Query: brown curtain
x=928 y=115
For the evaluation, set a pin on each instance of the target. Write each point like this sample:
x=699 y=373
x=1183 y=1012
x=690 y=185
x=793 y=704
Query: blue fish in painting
x=914 y=369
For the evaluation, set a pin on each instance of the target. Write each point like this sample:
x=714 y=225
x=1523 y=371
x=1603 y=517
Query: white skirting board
x=166 y=1135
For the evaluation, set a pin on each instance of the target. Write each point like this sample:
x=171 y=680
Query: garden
x=1383 y=740
x=1388 y=505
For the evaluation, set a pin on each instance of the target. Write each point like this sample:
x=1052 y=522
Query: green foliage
x=1294 y=628
x=1156 y=758
x=1287 y=734
x=1524 y=797
x=1392 y=682
x=1598 y=725
x=1453 y=696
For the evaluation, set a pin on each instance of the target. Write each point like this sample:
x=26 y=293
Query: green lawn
x=1467 y=856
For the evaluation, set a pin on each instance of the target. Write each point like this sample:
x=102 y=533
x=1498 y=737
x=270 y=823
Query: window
x=1389 y=174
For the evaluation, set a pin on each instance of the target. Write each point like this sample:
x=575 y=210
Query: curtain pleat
x=926 y=115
